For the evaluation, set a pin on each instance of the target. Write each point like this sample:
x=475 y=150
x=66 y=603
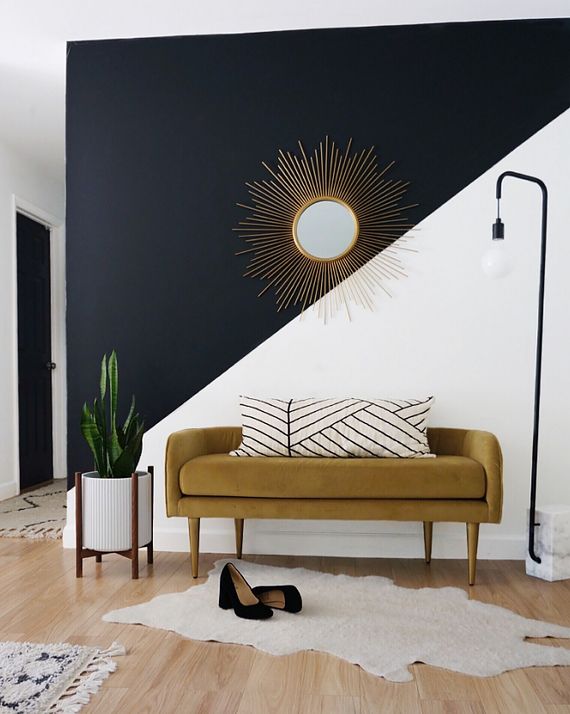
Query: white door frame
x=58 y=340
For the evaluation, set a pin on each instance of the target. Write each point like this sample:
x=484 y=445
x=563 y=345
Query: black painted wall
x=163 y=133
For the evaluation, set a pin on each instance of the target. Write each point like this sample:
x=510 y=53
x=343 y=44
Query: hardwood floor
x=40 y=600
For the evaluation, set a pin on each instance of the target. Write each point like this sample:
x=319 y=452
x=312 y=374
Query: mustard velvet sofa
x=462 y=484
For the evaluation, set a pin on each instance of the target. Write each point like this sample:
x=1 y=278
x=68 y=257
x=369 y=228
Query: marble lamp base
x=552 y=544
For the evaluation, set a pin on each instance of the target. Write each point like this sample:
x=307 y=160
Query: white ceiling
x=33 y=35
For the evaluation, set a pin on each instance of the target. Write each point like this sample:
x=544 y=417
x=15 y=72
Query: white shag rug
x=36 y=514
x=51 y=678
x=368 y=621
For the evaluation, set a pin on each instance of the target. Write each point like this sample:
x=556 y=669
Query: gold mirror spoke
x=339 y=290
x=269 y=191
x=269 y=213
x=290 y=177
x=265 y=266
x=343 y=171
x=261 y=240
x=296 y=278
x=388 y=216
x=266 y=208
x=334 y=169
x=376 y=241
x=301 y=177
x=313 y=169
x=260 y=221
x=359 y=281
x=264 y=249
x=268 y=237
x=364 y=186
x=379 y=206
x=282 y=280
x=266 y=269
x=386 y=190
x=362 y=175
x=392 y=256
x=257 y=223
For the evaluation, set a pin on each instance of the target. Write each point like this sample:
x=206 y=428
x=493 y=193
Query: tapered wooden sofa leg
x=472 y=541
x=428 y=533
x=239 y=536
x=194 y=533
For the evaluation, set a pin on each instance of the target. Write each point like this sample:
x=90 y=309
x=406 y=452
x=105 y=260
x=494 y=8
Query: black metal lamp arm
x=498 y=234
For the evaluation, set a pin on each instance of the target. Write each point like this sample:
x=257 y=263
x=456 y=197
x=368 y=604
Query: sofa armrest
x=484 y=447
x=187 y=444
x=481 y=446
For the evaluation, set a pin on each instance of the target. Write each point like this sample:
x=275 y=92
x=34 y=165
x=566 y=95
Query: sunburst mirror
x=323 y=228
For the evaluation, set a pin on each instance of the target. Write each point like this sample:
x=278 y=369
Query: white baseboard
x=339 y=543
x=9 y=490
x=330 y=543
x=330 y=538
x=68 y=535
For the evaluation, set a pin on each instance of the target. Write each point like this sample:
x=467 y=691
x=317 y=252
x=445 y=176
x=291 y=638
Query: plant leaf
x=114 y=451
x=129 y=459
x=129 y=415
x=99 y=418
x=138 y=441
x=103 y=379
x=93 y=438
x=113 y=388
x=133 y=428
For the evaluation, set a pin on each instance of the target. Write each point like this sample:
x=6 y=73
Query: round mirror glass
x=325 y=229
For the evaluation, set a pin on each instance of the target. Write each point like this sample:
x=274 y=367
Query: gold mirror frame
x=295 y=183
x=302 y=210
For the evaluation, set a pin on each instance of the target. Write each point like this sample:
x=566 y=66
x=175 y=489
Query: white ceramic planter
x=107 y=511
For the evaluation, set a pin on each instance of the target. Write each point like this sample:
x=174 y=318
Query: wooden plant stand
x=133 y=552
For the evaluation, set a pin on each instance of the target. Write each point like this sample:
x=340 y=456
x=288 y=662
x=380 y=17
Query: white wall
x=20 y=177
x=448 y=330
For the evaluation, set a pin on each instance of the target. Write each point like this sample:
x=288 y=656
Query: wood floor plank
x=209 y=702
x=328 y=704
x=379 y=695
x=275 y=674
x=265 y=701
x=325 y=674
x=552 y=684
x=219 y=667
x=41 y=600
x=273 y=683
x=110 y=701
x=510 y=693
x=441 y=684
x=452 y=707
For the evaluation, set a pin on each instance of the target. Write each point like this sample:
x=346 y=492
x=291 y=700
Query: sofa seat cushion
x=282 y=477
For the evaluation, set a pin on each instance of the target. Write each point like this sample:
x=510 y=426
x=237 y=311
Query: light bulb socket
x=498 y=230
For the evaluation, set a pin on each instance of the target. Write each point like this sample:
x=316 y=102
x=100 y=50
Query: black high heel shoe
x=280 y=597
x=236 y=593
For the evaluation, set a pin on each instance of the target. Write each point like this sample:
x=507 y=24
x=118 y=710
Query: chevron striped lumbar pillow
x=343 y=428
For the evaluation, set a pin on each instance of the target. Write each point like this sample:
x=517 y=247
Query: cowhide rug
x=365 y=620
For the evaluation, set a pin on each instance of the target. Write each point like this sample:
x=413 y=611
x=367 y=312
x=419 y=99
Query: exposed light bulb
x=496 y=262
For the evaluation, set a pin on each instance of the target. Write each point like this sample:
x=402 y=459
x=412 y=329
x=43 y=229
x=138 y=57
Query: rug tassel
x=88 y=681
x=114 y=650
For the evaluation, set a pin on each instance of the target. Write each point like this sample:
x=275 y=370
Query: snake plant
x=116 y=450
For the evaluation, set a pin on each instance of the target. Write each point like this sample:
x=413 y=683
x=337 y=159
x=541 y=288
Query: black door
x=34 y=352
